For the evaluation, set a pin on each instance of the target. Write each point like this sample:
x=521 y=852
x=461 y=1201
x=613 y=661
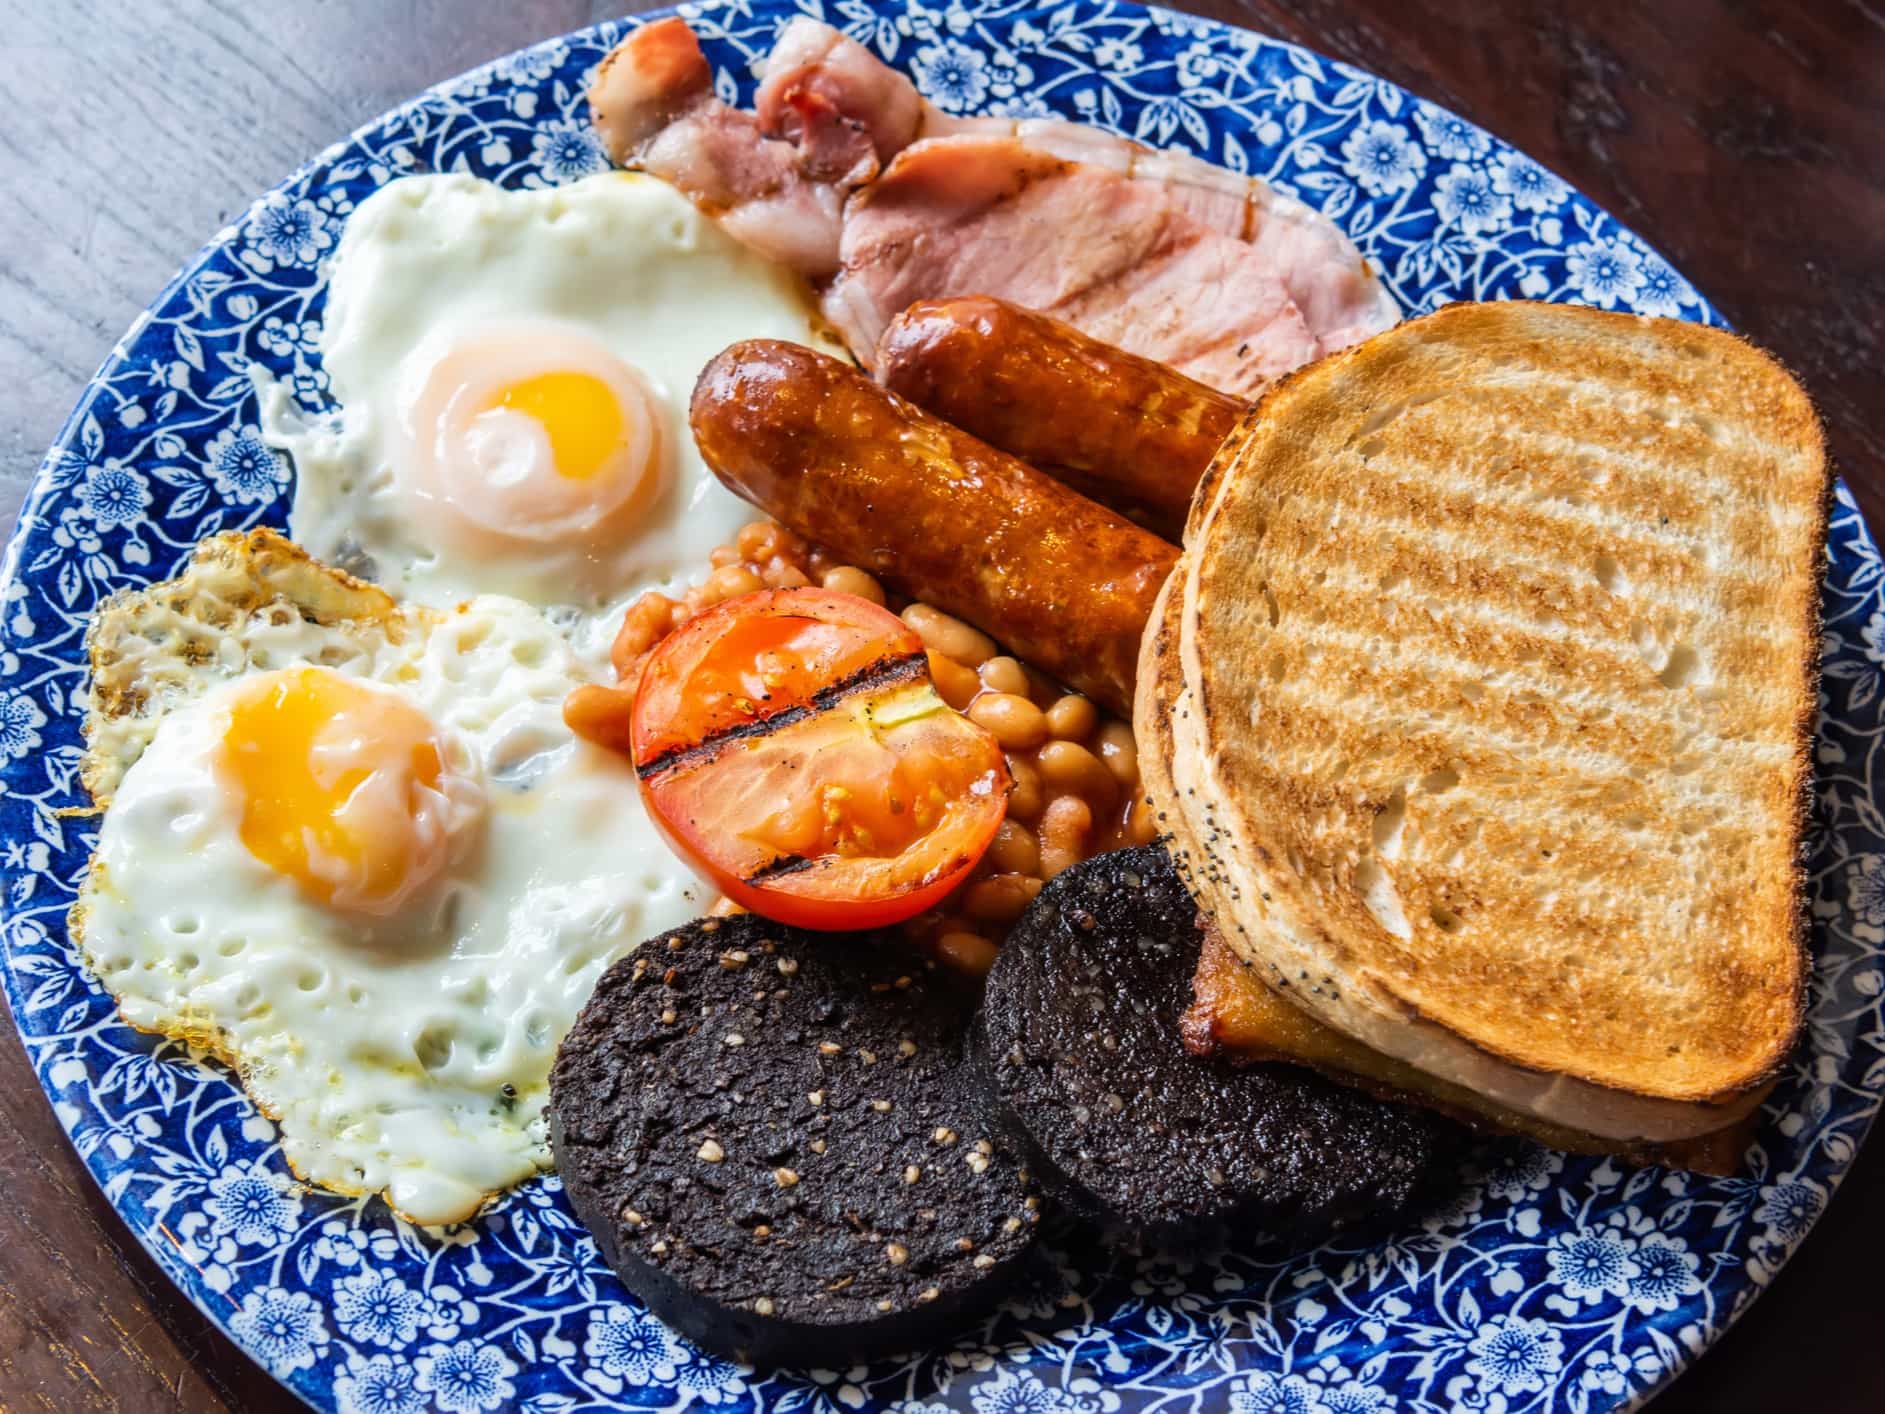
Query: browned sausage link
x=947 y=519
x=1132 y=434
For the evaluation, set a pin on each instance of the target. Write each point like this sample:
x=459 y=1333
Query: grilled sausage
x=1064 y=583
x=1132 y=434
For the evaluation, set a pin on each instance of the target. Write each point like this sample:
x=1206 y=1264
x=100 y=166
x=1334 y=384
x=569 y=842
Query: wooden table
x=1743 y=137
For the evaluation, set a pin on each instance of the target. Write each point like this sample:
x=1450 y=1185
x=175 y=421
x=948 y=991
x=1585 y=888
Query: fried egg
x=513 y=370
x=351 y=848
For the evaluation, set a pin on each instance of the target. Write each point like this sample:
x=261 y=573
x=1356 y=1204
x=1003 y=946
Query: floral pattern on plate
x=1545 y=1282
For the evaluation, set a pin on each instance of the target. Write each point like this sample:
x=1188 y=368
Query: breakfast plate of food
x=867 y=706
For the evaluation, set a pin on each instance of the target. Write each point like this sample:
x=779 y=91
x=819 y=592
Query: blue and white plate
x=1550 y=1282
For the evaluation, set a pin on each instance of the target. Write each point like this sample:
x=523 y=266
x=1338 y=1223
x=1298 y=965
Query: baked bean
x=763 y=539
x=1065 y=826
x=781 y=573
x=728 y=582
x=949 y=636
x=1120 y=752
x=956 y=684
x=600 y=714
x=1014 y=721
x=1000 y=898
x=1073 y=717
x=649 y=618
x=1029 y=796
x=724 y=555
x=1014 y=850
x=1067 y=766
x=969 y=953
x=1141 y=822
x=849 y=579
x=1004 y=674
x=757 y=540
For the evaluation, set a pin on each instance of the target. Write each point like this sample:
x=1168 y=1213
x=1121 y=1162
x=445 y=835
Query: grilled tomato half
x=792 y=748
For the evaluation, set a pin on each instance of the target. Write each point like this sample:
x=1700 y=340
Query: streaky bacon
x=846 y=111
x=654 y=107
x=839 y=102
x=965 y=214
x=1275 y=283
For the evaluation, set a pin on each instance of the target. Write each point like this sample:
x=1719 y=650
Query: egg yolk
x=339 y=787
x=529 y=435
x=578 y=413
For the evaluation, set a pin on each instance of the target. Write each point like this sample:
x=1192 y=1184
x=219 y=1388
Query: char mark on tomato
x=784 y=864
x=886 y=672
x=791 y=746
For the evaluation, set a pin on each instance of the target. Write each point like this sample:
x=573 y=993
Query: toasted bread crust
x=1233 y=1014
x=1574 y=1116
x=1490 y=735
x=141 y=641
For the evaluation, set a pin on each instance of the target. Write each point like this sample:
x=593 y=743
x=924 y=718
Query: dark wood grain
x=1743 y=137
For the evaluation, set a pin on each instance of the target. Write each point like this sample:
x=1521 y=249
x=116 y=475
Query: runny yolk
x=524 y=436
x=338 y=786
x=578 y=413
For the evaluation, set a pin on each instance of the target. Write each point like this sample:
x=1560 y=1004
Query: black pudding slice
x=1079 y=1035
x=771 y=1135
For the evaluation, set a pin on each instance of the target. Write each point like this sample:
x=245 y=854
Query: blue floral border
x=1548 y=1283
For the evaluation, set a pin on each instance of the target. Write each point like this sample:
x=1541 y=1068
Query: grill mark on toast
x=1463 y=514
x=1343 y=699
x=1644 y=378
x=1535 y=657
x=1589 y=515
x=1700 y=484
x=1751 y=485
x=1207 y=874
x=1627 y=401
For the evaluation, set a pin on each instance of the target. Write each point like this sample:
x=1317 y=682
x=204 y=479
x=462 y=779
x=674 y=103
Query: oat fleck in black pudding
x=1079 y=1034
x=771 y=1136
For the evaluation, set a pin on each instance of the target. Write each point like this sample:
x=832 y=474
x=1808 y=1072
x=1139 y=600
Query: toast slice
x=1236 y=1014
x=1488 y=732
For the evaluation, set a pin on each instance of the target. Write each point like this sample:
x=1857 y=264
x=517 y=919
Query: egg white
x=410 y=1055
x=429 y=262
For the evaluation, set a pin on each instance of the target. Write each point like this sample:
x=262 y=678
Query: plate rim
x=40 y=491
